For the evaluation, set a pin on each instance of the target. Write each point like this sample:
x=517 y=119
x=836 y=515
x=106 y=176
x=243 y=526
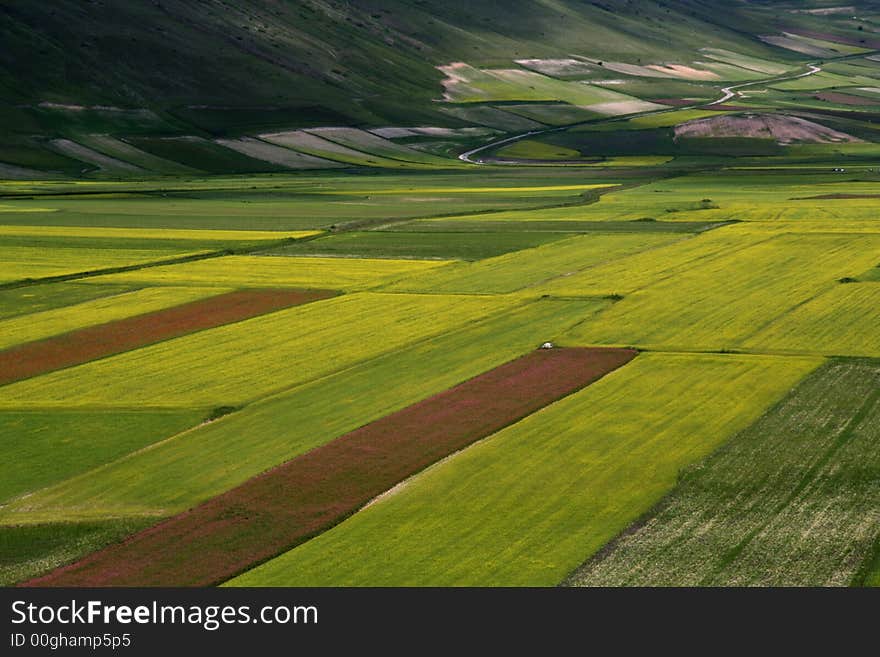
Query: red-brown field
x=87 y=344
x=845 y=99
x=309 y=494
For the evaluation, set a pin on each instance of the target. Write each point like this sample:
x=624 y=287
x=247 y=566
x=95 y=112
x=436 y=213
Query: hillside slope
x=214 y=68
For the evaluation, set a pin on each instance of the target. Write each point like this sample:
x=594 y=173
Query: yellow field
x=37 y=326
x=633 y=161
x=240 y=362
x=196 y=465
x=280 y=271
x=527 y=505
x=151 y=233
x=827 y=211
x=19 y=262
x=628 y=274
x=530 y=267
x=718 y=303
x=474 y=190
x=844 y=321
x=674 y=117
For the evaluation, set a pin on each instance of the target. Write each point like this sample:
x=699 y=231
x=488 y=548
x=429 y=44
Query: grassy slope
x=221 y=69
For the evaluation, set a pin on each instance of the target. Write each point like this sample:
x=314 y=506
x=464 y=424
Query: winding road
x=727 y=93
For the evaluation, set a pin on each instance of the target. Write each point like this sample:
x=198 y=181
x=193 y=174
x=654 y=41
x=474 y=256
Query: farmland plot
x=845 y=321
x=634 y=272
x=791 y=501
x=36 y=326
x=719 y=303
x=305 y=142
x=159 y=236
x=41 y=448
x=528 y=504
x=15 y=302
x=371 y=144
x=114 y=337
x=265 y=271
x=412 y=244
x=22 y=262
x=178 y=473
x=515 y=271
x=243 y=361
x=290 y=503
x=28 y=550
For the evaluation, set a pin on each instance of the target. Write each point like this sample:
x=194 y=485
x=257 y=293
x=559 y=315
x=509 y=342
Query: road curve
x=727 y=94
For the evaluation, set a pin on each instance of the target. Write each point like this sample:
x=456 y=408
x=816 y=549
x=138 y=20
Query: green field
x=43 y=448
x=723 y=300
x=149 y=482
x=791 y=501
x=226 y=366
x=524 y=507
x=527 y=268
x=279 y=271
x=384 y=244
x=40 y=298
x=18 y=263
x=28 y=550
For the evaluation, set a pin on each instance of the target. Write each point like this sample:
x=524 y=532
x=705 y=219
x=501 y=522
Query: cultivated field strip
x=101 y=340
x=630 y=273
x=289 y=504
x=371 y=144
x=521 y=269
x=722 y=302
x=22 y=262
x=160 y=234
x=249 y=359
x=845 y=321
x=304 y=142
x=265 y=271
x=121 y=150
x=28 y=550
x=31 y=299
x=176 y=474
x=791 y=501
x=41 y=448
x=527 y=505
x=260 y=150
x=40 y=325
